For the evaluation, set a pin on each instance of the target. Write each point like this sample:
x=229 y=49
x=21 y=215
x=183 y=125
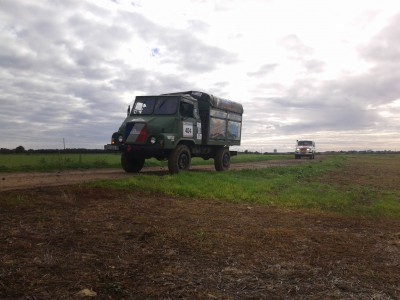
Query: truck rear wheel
x=179 y=159
x=131 y=163
x=222 y=159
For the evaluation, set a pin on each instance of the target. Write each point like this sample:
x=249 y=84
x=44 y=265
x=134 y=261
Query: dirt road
x=12 y=181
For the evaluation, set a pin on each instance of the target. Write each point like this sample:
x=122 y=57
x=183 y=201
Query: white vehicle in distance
x=305 y=149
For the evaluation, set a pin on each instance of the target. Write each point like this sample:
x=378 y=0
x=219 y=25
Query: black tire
x=179 y=159
x=131 y=163
x=222 y=159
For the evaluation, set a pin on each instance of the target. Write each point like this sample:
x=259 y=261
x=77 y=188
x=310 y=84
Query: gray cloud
x=301 y=54
x=59 y=77
x=313 y=66
x=338 y=105
x=58 y=72
x=263 y=70
x=293 y=44
x=182 y=46
x=385 y=46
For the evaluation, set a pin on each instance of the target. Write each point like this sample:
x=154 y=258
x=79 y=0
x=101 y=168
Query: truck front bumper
x=146 y=151
x=304 y=153
x=110 y=147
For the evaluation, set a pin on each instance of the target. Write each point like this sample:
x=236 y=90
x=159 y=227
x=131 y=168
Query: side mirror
x=128 y=112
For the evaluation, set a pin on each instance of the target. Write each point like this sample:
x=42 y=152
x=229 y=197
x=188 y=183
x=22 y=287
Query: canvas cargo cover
x=213 y=101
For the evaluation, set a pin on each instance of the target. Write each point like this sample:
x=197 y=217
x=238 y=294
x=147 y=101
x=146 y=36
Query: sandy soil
x=61 y=241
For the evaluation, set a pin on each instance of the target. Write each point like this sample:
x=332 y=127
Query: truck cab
x=304 y=148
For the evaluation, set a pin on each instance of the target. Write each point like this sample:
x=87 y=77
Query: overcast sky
x=322 y=70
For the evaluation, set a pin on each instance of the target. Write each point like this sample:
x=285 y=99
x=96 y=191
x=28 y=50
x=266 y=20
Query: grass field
x=348 y=184
x=335 y=184
x=56 y=162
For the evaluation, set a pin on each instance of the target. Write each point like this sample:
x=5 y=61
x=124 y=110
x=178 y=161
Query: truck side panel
x=224 y=128
x=221 y=119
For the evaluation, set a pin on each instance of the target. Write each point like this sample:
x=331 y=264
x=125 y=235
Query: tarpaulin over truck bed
x=213 y=101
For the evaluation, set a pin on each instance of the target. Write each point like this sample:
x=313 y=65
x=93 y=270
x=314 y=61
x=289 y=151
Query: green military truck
x=177 y=127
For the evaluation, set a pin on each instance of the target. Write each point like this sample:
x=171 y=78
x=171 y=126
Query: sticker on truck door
x=187 y=129
x=199 y=135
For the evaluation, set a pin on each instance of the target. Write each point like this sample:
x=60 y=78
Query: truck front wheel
x=222 y=159
x=179 y=159
x=131 y=163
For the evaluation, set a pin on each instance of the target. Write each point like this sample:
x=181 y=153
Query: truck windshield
x=304 y=143
x=166 y=106
x=155 y=105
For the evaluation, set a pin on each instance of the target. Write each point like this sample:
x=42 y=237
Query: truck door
x=191 y=125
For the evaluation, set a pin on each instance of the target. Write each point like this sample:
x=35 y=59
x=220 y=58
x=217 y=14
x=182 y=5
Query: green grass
x=301 y=187
x=56 y=162
x=61 y=161
x=296 y=187
x=250 y=186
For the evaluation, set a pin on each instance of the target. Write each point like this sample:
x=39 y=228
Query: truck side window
x=186 y=109
x=166 y=106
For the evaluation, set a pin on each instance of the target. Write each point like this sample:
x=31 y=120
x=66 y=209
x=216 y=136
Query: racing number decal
x=187 y=129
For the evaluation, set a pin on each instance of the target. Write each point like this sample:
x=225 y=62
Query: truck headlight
x=153 y=140
x=116 y=138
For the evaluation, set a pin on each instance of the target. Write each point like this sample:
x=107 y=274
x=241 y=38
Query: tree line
x=21 y=149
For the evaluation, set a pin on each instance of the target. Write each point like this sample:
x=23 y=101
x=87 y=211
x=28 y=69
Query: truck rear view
x=177 y=127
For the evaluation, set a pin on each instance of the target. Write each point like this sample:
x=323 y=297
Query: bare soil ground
x=61 y=241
